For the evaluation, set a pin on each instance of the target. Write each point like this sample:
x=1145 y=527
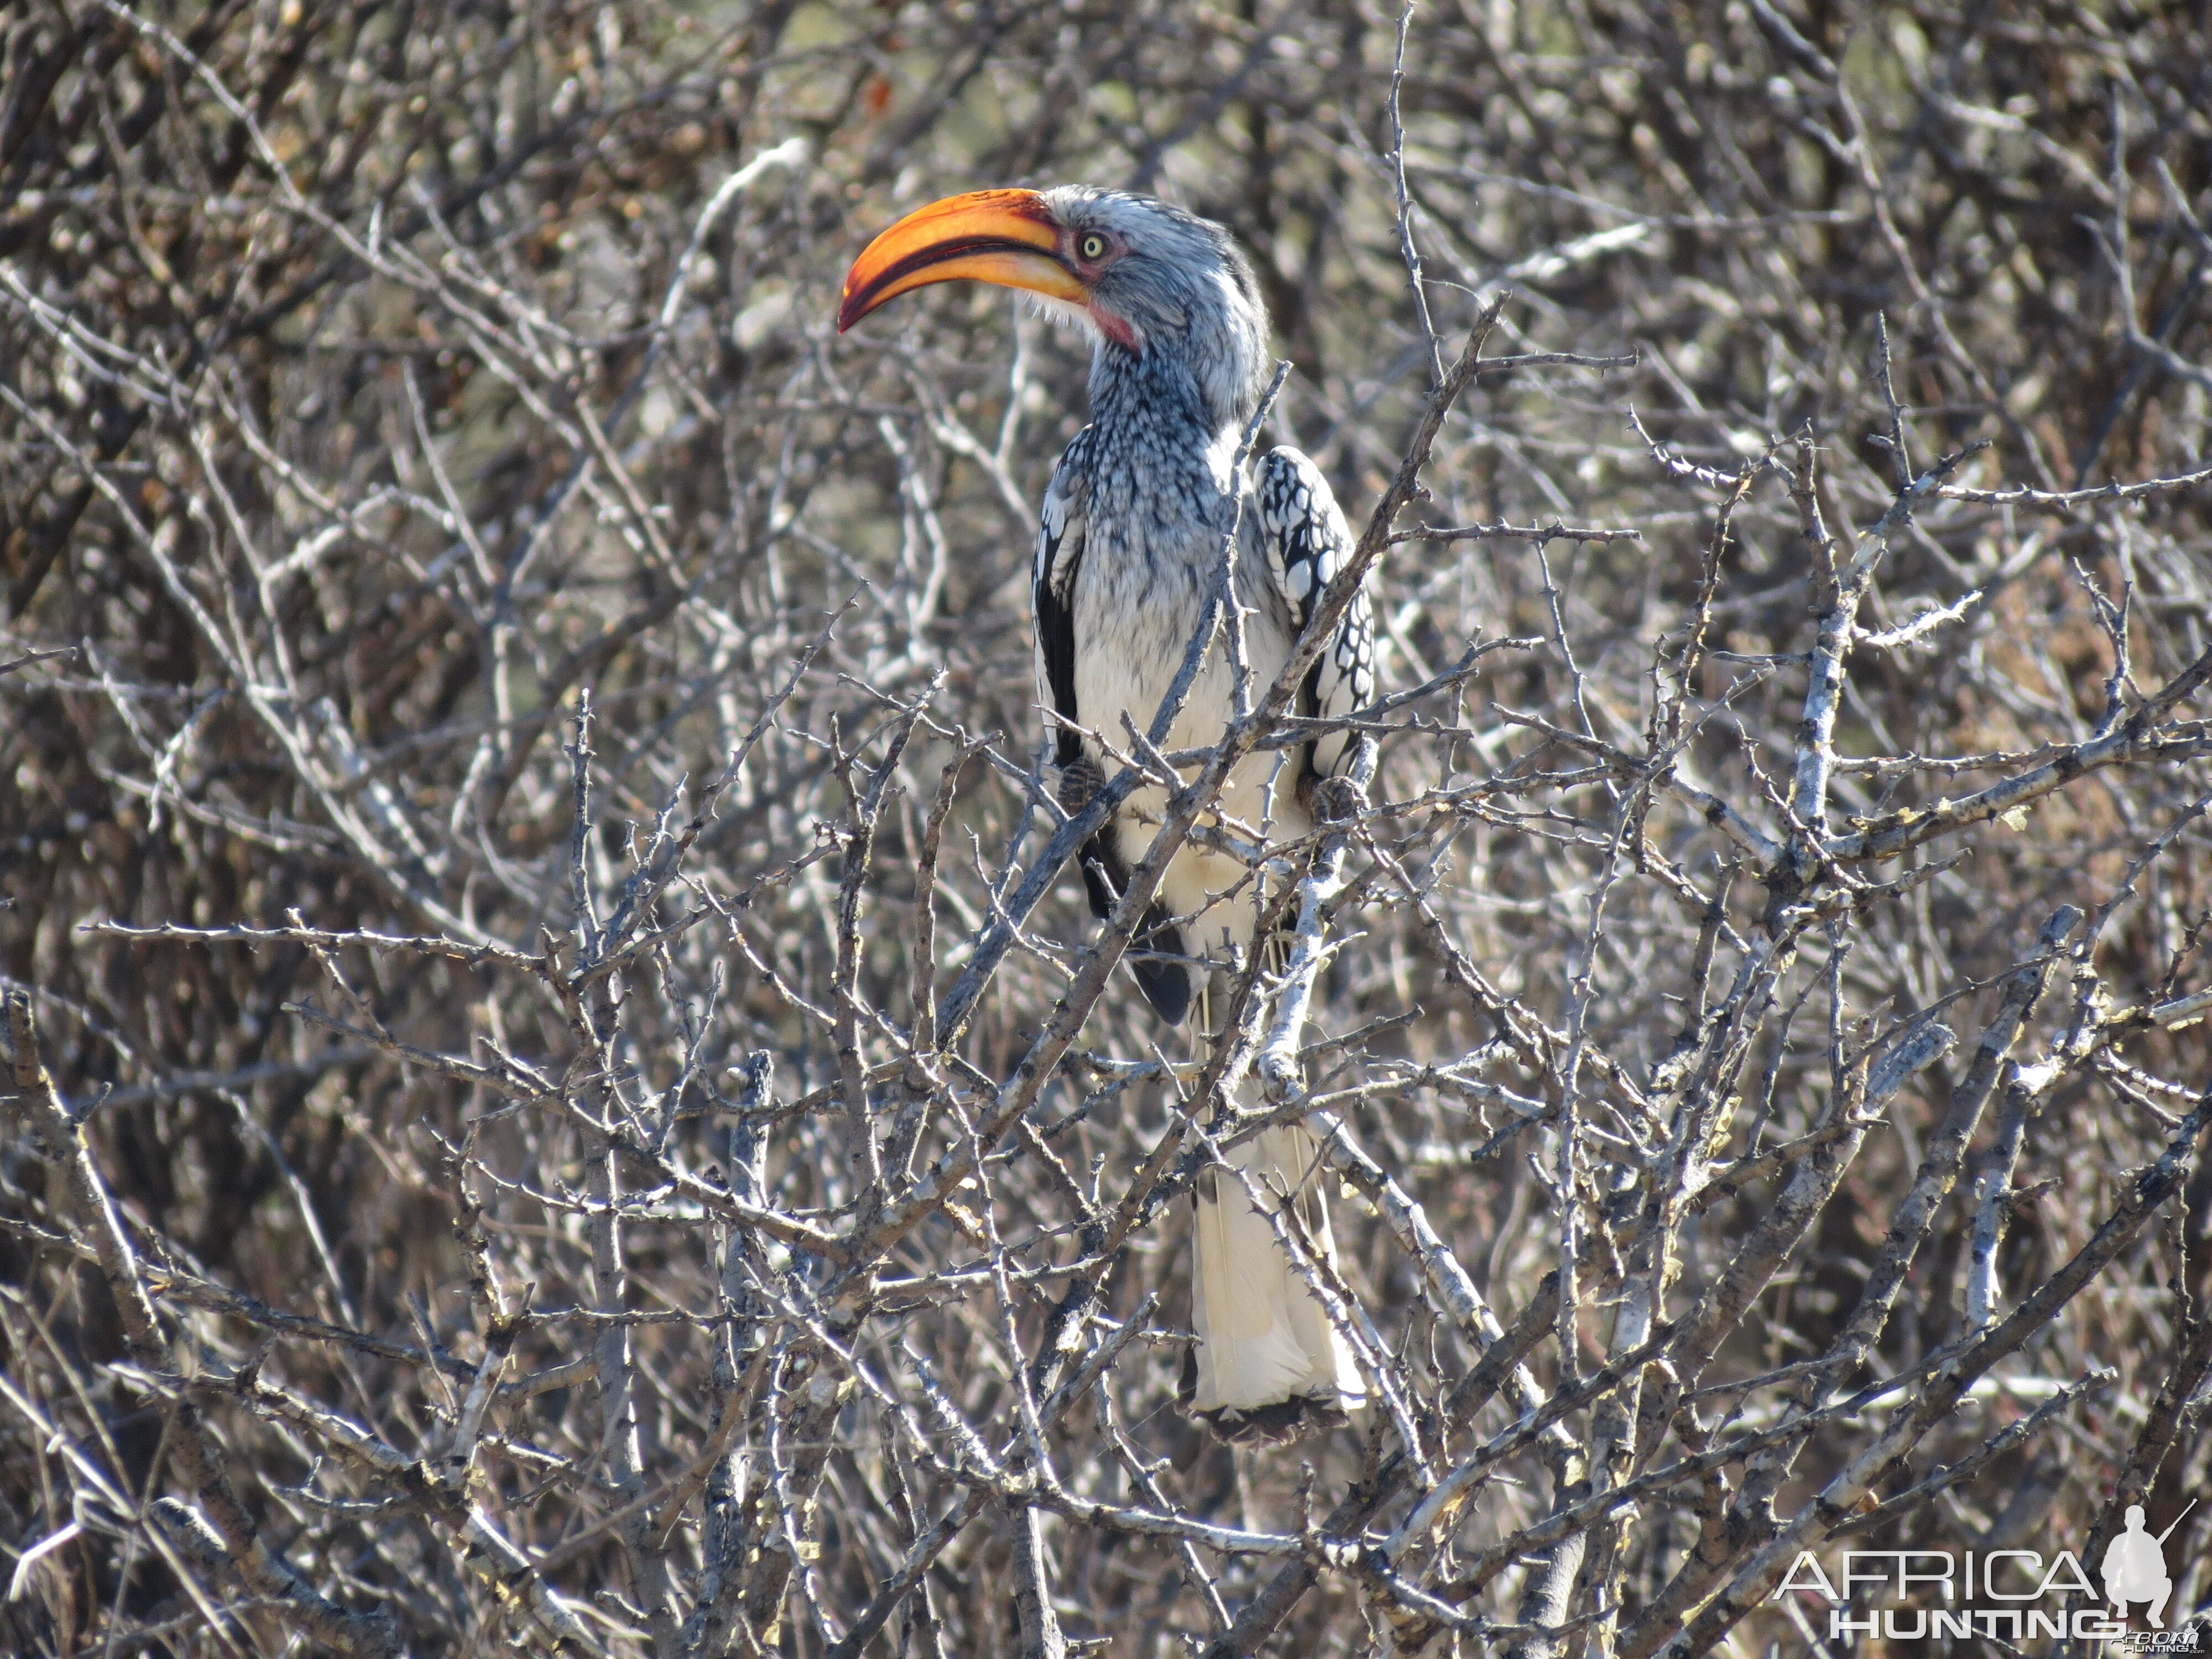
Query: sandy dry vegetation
x=561 y=1096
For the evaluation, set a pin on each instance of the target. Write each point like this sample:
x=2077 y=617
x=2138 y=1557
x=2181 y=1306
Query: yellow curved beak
x=1003 y=236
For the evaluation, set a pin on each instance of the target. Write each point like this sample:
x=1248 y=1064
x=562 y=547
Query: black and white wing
x=1156 y=950
x=1051 y=588
x=1307 y=542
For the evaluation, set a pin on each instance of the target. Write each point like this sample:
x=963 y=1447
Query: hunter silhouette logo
x=2134 y=1567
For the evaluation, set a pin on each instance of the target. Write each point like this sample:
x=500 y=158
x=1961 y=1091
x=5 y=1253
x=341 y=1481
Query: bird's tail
x=1269 y=1365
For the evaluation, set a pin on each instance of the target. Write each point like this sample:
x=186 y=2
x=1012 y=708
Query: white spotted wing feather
x=1308 y=543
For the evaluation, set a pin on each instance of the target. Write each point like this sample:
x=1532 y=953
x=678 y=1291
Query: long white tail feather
x=1263 y=1336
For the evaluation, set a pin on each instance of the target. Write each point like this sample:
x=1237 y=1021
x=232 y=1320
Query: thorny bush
x=559 y=1098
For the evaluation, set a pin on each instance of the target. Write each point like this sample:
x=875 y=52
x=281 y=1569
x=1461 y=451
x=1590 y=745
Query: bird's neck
x=1156 y=396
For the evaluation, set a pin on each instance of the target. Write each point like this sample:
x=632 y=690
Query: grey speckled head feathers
x=1182 y=284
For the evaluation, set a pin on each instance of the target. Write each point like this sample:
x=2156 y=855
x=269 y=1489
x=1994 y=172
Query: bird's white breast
x=1139 y=596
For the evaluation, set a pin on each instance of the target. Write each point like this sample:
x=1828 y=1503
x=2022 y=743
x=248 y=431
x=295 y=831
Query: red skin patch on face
x=1117 y=329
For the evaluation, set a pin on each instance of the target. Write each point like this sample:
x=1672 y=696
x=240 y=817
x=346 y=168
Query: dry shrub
x=446 y=1217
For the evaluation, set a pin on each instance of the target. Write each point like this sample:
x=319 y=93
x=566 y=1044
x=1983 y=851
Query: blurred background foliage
x=344 y=480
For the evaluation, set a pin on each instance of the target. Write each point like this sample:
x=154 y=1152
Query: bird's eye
x=1092 y=247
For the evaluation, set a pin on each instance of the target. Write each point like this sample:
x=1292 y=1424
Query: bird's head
x=1140 y=275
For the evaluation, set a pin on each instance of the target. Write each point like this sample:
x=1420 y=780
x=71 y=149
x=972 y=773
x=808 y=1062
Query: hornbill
x=1128 y=552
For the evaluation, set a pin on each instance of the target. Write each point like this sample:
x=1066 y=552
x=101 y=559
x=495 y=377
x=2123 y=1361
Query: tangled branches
x=561 y=1090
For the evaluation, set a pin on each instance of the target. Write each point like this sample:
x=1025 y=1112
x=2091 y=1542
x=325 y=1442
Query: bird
x=1127 y=553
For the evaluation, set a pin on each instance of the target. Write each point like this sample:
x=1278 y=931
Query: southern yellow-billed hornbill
x=1128 y=551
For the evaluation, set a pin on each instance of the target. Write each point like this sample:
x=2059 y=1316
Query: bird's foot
x=1080 y=780
x=1338 y=799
